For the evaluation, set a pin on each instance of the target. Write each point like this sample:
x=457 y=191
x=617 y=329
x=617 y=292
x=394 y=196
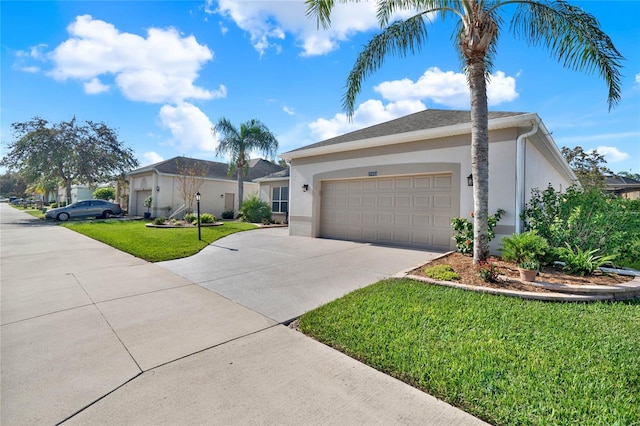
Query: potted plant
x=528 y=270
x=525 y=250
x=147 y=204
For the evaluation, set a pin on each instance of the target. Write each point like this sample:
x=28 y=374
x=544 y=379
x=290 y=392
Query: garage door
x=405 y=210
x=140 y=197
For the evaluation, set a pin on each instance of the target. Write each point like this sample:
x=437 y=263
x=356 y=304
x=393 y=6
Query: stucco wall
x=444 y=155
x=265 y=195
x=168 y=198
x=543 y=165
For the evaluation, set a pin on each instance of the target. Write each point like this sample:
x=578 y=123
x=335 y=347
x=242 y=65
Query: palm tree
x=238 y=144
x=572 y=36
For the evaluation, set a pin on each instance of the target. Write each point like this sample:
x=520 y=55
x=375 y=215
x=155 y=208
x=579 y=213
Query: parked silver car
x=87 y=208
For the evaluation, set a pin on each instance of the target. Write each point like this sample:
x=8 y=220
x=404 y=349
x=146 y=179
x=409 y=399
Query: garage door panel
x=385 y=201
x=406 y=210
x=442 y=201
x=422 y=200
x=442 y=182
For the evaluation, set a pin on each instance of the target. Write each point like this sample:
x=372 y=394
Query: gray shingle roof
x=258 y=168
x=427 y=119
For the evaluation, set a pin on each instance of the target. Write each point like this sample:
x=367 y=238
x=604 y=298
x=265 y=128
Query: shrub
x=190 y=217
x=228 y=214
x=585 y=219
x=488 y=272
x=207 y=218
x=528 y=246
x=147 y=203
x=160 y=220
x=108 y=193
x=441 y=273
x=255 y=210
x=582 y=262
x=531 y=265
x=463 y=228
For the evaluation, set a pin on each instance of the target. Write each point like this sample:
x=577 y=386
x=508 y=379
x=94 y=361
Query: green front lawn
x=505 y=360
x=155 y=244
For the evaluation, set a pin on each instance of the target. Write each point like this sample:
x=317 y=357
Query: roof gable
x=423 y=120
x=258 y=168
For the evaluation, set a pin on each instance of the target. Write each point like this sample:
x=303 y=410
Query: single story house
x=166 y=181
x=401 y=182
x=78 y=193
x=274 y=189
x=623 y=187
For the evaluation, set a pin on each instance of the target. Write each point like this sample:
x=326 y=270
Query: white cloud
x=638 y=78
x=447 y=88
x=406 y=96
x=268 y=22
x=159 y=68
x=368 y=113
x=95 y=86
x=612 y=154
x=151 y=157
x=190 y=127
x=288 y=110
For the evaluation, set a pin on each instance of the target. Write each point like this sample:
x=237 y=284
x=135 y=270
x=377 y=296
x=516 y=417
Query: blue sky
x=163 y=72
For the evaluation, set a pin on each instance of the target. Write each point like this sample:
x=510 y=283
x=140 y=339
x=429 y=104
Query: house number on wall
x=373 y=173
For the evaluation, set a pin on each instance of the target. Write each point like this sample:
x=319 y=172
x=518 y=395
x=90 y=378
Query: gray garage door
x=405 y=210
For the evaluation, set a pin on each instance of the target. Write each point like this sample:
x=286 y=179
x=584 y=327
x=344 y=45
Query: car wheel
x=63 y=217
x=107 y=214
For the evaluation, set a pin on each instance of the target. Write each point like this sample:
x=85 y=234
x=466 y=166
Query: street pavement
x=91 y=335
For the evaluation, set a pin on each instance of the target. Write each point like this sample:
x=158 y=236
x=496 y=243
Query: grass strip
x=505 y=360
x=155 y=244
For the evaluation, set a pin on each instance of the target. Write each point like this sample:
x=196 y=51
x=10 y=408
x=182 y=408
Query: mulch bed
x=463 y=266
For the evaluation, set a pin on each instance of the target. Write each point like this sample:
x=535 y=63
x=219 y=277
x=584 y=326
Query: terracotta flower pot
x=528 y=274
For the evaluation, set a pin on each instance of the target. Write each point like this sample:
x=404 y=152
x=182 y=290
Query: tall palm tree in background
x=572 y=36
x=238 y=144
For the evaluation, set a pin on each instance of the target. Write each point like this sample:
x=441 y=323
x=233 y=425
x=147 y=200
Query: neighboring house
x=274 y=189
x=218 y=190
x=401 y=182
x=78 y=192
x=623 y=187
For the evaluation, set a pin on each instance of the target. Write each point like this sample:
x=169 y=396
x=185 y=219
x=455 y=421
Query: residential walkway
x=91 y=335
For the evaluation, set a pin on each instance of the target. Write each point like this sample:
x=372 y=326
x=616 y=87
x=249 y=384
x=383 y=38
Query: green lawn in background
x=154 y=244
x=505 y=360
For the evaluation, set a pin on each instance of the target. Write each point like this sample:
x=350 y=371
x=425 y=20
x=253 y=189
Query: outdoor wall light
x=305 y=187
x=470 y=180
x=221 y=195
x=157 y=189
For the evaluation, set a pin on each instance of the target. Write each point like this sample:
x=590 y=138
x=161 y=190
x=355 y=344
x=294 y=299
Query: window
x=280 y=199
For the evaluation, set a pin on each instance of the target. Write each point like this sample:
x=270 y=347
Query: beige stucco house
x=401 y=182
x=274 y=189
x=218 y=190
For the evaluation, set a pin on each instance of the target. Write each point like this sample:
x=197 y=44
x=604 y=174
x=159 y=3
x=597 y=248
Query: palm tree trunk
x=240 y=188
x=479 y=159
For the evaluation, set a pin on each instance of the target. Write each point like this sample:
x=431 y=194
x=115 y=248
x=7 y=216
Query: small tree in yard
x=191 y=174
x=108 y=193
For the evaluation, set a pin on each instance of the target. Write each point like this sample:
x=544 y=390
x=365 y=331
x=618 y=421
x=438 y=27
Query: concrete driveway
x=283 y=277
x=92 y=335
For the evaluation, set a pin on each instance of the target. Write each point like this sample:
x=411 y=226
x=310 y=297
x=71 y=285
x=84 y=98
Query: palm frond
x=321 y=9
x=400 y=38
x=574 y=38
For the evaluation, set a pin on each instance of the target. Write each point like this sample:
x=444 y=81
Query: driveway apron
x=91 y=335
x=283 y=277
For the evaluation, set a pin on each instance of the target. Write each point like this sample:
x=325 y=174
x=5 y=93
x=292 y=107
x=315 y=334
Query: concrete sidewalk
x=92 y=335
